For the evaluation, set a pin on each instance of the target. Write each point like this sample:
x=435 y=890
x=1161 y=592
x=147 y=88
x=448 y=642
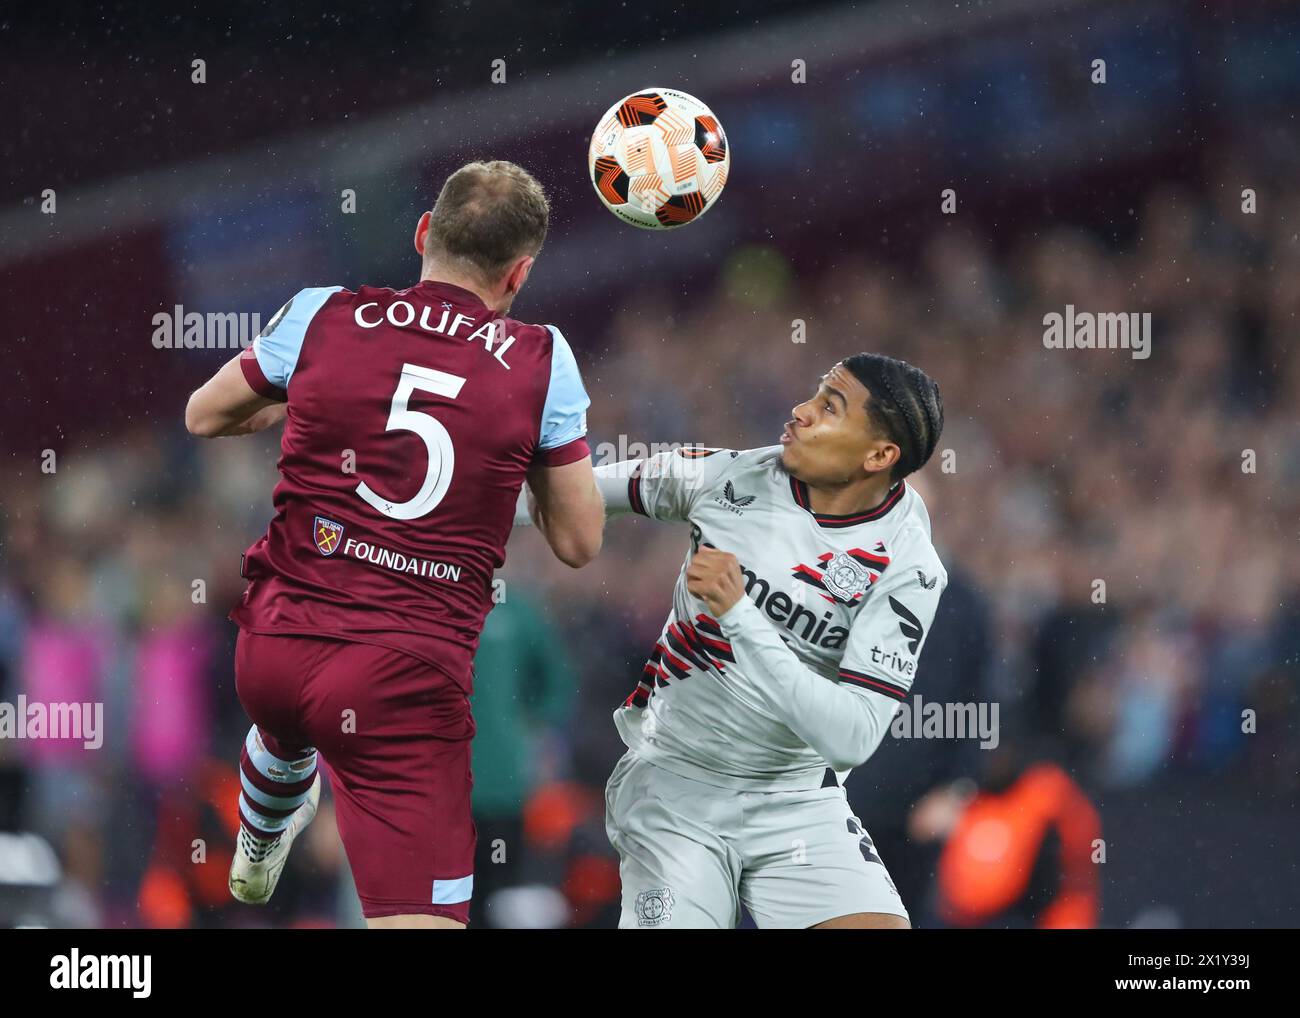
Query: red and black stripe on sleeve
x=890 y=689
x=634 y=490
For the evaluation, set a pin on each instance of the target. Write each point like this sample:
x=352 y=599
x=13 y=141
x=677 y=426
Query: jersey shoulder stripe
x=564 y=415
x=274 y=353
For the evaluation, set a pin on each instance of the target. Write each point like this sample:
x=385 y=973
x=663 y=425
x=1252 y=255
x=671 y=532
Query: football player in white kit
x=797 y=622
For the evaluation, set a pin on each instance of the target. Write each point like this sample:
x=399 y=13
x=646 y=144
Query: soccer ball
x=659 y=159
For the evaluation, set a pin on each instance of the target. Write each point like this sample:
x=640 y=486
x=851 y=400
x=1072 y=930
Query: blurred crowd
x=1121 y=535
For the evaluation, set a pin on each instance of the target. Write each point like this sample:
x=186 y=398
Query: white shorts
x=690 y=854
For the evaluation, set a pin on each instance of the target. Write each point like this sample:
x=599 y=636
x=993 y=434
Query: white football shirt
x=853 y=597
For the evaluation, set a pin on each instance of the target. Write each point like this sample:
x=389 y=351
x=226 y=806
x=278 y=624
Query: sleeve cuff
x=733 y=619
x=635 y=498
x=893 y=690
x=570 y=452
x=256 y=378
x=522 y=519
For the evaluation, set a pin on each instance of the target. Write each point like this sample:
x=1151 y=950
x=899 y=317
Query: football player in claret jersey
x=796 y=627
x=412 y=418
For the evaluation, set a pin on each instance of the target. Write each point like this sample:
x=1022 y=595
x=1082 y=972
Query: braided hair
x=905 y=407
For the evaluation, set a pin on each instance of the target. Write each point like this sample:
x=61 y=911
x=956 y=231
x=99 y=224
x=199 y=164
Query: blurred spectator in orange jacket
x=1019 y=851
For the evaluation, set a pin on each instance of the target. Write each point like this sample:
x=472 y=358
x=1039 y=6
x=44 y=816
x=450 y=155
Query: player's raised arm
x=568 y=510
x=566 y=506
x=844 y=722
x=249 y=392
x=612 y=489
x=227 y=405
x=665 y=486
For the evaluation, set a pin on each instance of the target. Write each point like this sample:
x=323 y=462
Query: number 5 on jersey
x=442 y=457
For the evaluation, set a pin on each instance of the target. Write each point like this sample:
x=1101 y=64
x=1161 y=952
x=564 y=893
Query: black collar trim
x=799 y=491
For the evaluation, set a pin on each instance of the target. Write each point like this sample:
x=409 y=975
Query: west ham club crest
x=328 y=535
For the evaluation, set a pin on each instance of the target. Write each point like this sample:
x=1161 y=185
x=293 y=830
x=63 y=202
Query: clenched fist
x=714 y=577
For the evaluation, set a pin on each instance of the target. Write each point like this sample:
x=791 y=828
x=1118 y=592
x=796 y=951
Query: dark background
x=1124 y=196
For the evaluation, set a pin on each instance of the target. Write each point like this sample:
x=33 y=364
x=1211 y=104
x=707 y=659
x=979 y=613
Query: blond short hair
x=487 y=215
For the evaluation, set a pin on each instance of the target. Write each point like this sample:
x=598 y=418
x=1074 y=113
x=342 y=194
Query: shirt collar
x=799 y=492
x=451 y=291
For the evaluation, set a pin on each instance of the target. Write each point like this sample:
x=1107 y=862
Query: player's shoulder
x=290 y=323
x=740 y=475
x=545 y=343
x=548 y=335
x=717 y=465
x=766 y=457
x=733 y=459
x=913 y=546
x=311 y=299
x=318 y=295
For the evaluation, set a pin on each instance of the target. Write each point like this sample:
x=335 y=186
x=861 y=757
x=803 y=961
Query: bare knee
x=866 y=921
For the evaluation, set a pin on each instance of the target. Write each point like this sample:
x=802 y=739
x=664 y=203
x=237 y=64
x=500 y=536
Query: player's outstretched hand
x=714 y=577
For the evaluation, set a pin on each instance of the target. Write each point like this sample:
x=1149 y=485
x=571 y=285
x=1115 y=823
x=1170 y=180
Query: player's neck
x=849 y=499
x=437 y=274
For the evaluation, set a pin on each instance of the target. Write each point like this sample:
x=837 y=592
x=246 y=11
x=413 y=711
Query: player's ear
x=881 y=456
x=422 y=232
x=519 y=274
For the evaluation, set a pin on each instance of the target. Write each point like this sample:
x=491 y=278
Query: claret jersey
x=413 y=418
x=853 y=597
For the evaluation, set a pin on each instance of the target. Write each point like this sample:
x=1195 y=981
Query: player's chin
x=794 y=463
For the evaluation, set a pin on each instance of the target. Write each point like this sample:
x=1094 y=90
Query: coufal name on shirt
x=402 y=313
x=399 y=563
